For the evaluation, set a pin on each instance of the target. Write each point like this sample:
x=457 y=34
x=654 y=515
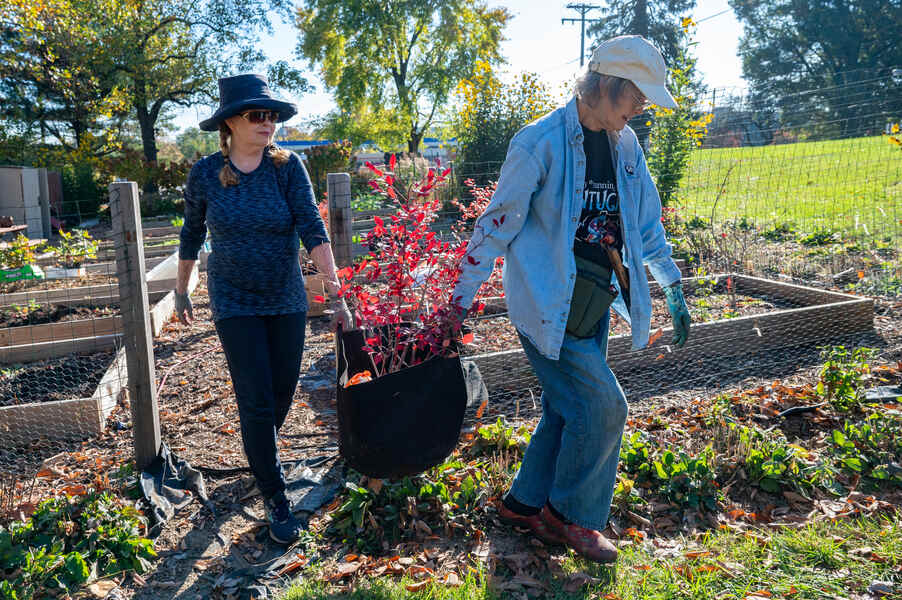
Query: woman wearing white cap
x=582 y=218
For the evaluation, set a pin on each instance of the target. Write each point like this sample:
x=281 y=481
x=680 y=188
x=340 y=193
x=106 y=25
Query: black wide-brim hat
x=242 y=92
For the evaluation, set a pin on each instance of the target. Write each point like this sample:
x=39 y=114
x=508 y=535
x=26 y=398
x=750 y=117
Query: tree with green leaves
x=816 y=62
x=193 y=143
x=54 y=77
x=405 y=56
x=146 y=56
x=364 y=124
x=491 y=113
x=656 y=20
x=676 y=132
x=171 y=52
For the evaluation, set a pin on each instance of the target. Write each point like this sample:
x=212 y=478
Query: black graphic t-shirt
x=599 y=222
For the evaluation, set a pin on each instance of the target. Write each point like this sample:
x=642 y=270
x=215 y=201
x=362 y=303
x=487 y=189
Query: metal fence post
x=340 y=227
x=134 y=305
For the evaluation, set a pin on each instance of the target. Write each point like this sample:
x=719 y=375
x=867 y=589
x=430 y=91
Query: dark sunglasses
x=260 y=116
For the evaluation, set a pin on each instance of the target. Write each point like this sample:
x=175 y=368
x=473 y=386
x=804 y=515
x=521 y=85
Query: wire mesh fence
x=787 y=232
x=65 y=423
x=787 y=226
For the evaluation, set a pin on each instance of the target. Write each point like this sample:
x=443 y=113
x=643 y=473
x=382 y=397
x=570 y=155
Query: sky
x=538 y=42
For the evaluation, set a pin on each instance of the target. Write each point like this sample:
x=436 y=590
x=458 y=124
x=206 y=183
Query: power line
x=723 y=12
x=583 y=10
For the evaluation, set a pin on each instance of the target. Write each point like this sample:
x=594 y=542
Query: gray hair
x=590 y=86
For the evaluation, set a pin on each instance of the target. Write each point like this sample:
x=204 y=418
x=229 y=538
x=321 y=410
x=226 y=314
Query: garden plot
x=75 y=368
x=63 y=398
x=25 y=340
x=752 y=316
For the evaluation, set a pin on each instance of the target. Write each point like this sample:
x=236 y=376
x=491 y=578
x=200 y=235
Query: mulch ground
x=199 y=422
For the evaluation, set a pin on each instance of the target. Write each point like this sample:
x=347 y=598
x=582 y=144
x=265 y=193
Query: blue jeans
x=572 y=458
x=264 y=357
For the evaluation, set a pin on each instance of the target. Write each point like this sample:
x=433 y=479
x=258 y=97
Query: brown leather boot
x=587 y=542
x=533 y=523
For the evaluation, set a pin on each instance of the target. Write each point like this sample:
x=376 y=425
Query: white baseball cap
x=635 y=58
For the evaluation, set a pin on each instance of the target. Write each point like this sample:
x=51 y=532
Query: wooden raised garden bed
x=36 y=342
x=67 y=418
x=22 y=418
x=802 y=316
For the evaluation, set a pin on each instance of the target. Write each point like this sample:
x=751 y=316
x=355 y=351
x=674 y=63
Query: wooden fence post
x=134 y=305
x=340 y=227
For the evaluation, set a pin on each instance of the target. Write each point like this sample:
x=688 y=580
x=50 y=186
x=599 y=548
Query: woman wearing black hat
x=257 y=202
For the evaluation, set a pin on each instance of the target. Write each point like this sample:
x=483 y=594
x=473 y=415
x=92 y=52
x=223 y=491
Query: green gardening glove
x=676 y=304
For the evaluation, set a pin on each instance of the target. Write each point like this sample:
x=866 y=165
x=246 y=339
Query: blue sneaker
x=284 y=528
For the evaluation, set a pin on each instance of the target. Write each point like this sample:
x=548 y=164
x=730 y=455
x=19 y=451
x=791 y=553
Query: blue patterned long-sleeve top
x=254 y=231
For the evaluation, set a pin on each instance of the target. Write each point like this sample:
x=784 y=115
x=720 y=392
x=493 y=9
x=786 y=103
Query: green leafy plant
x=680 y=478
x=676 y=132
x=871 y=448
x=878 y=284
x=688 y=480
x=177 y=221
x=819 y=237
x=635 y=456
x=406 y=507
x=500 y=436
x=491 y=113
x=17 y=253
x=21 y=311
x=74 y=247
x=68 y=542
x=325 y=159
x=772 y=463
x=778 y=231
x=842 y=375
x=364 y=202
x=626 y=494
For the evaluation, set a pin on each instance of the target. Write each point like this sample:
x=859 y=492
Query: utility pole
x=583 y=10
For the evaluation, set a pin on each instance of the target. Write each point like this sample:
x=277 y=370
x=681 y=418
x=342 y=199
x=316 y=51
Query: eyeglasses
x=260 y=116
x=640 y=102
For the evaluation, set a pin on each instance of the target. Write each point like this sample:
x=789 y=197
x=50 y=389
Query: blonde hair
x=227 y=176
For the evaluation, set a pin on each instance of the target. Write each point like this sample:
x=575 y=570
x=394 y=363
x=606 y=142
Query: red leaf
x=389 y=180
x=446 y=172
x=392 y=162
x=379 y=221
x=371 y=166
x=481 y=408
x=472 y=260
x=391 y=193
x=319 y=299
x=467 y=339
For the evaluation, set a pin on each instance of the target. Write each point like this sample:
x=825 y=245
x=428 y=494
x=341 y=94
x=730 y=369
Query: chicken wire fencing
x=64 y=409
x=787 y=226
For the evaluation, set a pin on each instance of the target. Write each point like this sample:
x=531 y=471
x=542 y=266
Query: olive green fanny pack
x=593 y=295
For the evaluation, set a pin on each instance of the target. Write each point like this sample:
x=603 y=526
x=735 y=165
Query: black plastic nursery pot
x=402 y=423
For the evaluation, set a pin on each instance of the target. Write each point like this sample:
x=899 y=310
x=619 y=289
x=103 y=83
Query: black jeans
x=264 y=357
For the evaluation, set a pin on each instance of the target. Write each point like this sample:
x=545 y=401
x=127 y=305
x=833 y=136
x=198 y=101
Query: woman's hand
x=341 y=316
x=183 y=308
x=676 y=304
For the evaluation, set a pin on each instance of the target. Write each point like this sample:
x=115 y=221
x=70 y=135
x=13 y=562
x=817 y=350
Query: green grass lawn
x=820 y=560
x=852 y=185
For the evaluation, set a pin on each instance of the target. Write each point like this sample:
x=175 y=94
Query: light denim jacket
x=540 y=196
